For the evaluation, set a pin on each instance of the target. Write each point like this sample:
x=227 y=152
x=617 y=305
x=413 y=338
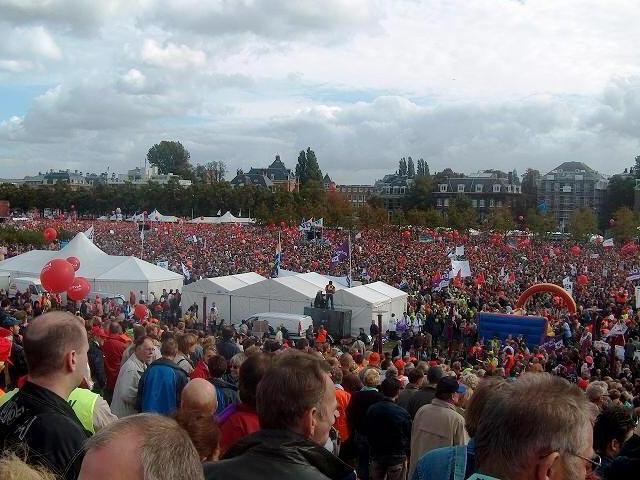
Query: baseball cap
x=9 y=321
x=449 y=385
x=98 y=332
x=374 y=358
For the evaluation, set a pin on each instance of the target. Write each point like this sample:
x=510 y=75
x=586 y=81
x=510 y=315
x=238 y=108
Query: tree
x=419 y=195
x=625 y=226
x=170 y=157
x=540 y=224
x=402 y=167
x=501 y=220
x=212 y=172
x=426 y=218
x=420 y=168
x=583 y=223
x=426 y=168
x=461 y=215
x=307 y=167
x=411 y=169
x=620 y=193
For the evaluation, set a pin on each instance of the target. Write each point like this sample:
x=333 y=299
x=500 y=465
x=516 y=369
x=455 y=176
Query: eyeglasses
x=595 y=461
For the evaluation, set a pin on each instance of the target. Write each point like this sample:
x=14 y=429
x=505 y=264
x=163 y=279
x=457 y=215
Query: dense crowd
x=96 y=393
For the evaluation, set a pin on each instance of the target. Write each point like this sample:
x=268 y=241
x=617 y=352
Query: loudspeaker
x=337 y=322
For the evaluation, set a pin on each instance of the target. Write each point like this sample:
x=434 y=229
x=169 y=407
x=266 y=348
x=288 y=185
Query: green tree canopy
x=170 y=157
x=411 y=169
x=461 y=215
x=402 y=167
x=626 y=223
x=307 y=168
x=583 y=223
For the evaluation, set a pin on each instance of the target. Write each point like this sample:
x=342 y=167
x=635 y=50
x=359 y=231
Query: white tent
x=365 y=304
x=228 y=217
x=218 y=290
x=156 y=216
x=284 y=295
x=397 y=296
x=316 y=278
x=106 y=273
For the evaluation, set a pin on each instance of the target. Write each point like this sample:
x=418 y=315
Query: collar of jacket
x=441 y=403
x=46 y=397
x=291 y=446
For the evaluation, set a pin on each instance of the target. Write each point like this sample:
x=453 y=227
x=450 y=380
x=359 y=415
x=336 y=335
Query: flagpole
x=350 y=259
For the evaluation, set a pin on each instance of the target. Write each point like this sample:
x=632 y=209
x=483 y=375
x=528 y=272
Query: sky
x=465 y=84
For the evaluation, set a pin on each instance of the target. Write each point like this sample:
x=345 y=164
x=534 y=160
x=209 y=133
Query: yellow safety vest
x=81 y=400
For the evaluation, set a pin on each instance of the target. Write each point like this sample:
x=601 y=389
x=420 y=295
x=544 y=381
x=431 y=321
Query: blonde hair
x=13 y=468
x=372 y=378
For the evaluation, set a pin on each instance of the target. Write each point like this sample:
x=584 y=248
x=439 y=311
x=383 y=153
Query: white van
x=295 y=324
x=26 y=284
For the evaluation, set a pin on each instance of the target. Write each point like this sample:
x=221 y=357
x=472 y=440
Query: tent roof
x=364 y=294
x=300 y=285
x=80 y=246
x=133 y=269
x=28 y=262
x=386 y=289
x=224 y=284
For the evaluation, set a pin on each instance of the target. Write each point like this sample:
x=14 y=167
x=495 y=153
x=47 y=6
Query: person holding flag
x=277 y=259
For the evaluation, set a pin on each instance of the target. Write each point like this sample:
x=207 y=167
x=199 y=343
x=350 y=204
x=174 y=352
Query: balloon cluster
x=59 y=275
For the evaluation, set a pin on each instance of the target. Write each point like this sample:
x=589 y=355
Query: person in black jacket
x=426 y=393
x=38 y=418
x=388 y=428
x=226 y=347
x=356 y=418
x=296 y=405
x=226 y=392
x=18 y=364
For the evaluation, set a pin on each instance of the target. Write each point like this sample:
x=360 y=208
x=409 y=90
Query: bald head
x=199 y=396
x=49 y=339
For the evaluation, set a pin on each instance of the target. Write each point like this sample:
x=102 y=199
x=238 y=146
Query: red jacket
x=343 y=398
x=244 y=421
x=113 y=348
x=201 y=371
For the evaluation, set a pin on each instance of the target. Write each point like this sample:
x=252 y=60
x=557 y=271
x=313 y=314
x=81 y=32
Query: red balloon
x=582 y=279
x=57 y=275
x=575 y=250
x=50 y=234
x=75 y=262
x=79 y=289
x=140 y=311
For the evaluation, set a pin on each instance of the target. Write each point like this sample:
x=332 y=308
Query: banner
x=185 y=272
x=163 y=264
x=440 y=283
x=425 y=239
x=633 y=275
x=608 y=243
x=460 y=266
x=341 y=254
x=460 y=251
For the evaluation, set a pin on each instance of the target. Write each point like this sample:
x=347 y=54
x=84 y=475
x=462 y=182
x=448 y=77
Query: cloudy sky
x=468 y=84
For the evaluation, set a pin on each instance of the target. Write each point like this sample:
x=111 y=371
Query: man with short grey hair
x=538 y=427
x=140 y=447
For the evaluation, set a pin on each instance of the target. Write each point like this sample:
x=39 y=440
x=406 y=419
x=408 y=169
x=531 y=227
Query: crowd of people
x=93 y=392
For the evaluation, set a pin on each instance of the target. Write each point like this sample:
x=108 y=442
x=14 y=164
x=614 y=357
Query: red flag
x=512 y=277
x=457 y=282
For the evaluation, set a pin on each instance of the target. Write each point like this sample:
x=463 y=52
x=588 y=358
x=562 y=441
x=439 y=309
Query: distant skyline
x=497 y=84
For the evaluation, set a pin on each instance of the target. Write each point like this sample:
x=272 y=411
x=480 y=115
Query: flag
x=305 y=225
x=633 y=275
x=276 y=260
x=608 y=243
x=142 y=233
x=341 y=253
x=365 y=274
x=460 y=251
x=348 y=281
x=319 y=222
x=185 y=272
x=195 y=239
x=89 y=232
x=457 y=282
x=512 y=277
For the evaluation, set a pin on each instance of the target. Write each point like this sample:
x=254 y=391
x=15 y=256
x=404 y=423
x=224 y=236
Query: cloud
x=27 y=48
x=171 y=56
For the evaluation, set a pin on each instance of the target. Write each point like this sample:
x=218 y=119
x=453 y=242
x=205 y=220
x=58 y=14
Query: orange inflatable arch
x=547 y=287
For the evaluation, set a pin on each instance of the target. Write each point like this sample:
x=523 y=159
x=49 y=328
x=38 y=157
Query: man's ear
x=546 y=466
x=308 y=422
x=71 y=361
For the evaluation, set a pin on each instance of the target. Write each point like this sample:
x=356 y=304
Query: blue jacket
x=447 y=463
x=160 y=387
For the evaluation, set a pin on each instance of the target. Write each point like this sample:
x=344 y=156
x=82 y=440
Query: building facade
x=392 y=190
x=275 y=176
x=357 y=195
x=568 y=187
x=487 y=191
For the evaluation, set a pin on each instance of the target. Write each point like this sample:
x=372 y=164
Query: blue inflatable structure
x=533 y=329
